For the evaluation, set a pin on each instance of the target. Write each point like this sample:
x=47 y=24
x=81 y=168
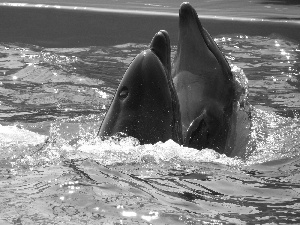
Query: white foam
x=12 y=135
x=127 y=150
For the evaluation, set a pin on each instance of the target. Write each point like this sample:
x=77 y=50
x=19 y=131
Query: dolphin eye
x=123 y=93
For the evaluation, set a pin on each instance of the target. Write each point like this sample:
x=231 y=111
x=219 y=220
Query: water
x=54 y=170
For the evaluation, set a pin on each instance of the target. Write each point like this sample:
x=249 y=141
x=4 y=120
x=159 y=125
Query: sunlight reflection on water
x=54 y=170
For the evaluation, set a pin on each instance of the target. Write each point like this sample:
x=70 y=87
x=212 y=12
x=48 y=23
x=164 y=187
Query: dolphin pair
x=192 y=103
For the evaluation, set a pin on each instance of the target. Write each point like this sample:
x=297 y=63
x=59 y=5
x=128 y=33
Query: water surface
x=54 y=170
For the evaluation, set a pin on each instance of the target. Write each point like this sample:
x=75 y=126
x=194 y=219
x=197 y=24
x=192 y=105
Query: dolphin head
x=197 y=52
x=204 y=84
x=143 y=105
x=192 y=44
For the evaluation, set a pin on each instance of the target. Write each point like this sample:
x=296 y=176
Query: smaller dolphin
x=145 y=105
x=204 y=85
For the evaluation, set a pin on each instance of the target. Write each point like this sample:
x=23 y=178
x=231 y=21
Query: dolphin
x=204 y=84
x=145 y=105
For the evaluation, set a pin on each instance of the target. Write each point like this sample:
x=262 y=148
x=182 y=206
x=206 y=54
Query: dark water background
x=53 y=170
x=262 y=9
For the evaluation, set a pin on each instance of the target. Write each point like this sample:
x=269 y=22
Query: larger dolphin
x=204 y=84
x=145 y=105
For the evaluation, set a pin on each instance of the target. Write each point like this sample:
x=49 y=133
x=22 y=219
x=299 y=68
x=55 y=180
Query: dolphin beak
x=186 y=11
x=187 y=16
x=160 y=45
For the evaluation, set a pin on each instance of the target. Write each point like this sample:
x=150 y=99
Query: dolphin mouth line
x=176 y=120
x=208 y=40
x=194 y=16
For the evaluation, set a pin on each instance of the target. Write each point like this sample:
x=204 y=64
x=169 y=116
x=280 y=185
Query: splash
x=275 y=137
x=14 y=139
x=127 y=150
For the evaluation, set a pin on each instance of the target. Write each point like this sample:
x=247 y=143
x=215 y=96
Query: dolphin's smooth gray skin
x=145 y=105
x=204 y=85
